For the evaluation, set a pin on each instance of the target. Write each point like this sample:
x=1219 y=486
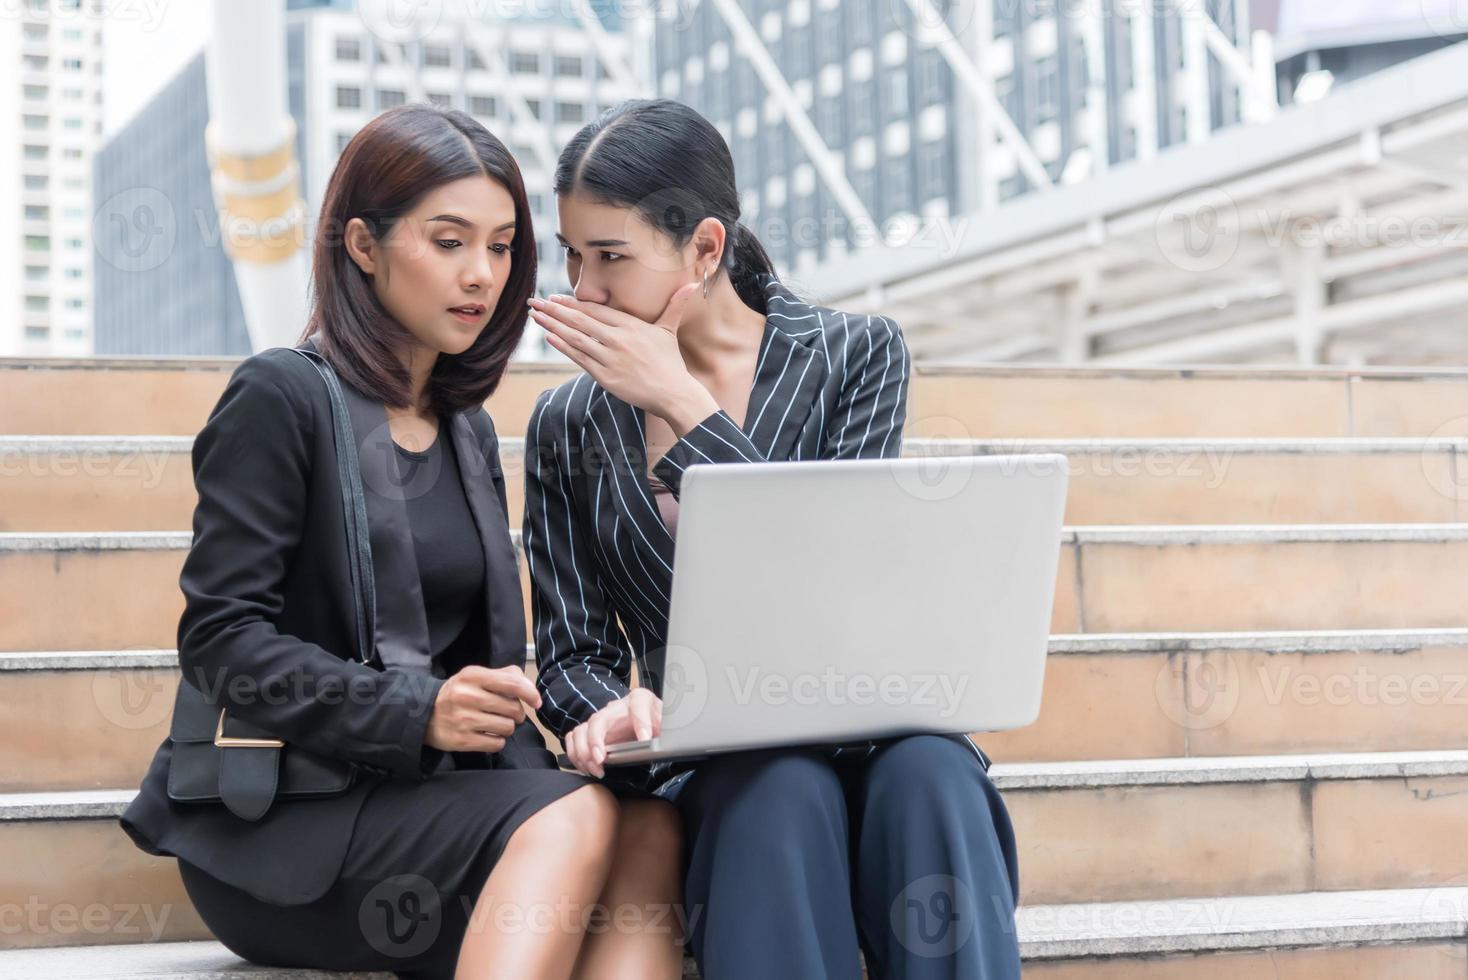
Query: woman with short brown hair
x=459 y=845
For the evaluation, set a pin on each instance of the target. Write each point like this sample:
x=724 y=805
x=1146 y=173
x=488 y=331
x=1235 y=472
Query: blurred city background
x=1210 y=251
x=1046 y=181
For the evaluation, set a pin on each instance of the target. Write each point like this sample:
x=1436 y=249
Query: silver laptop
x=828 y=602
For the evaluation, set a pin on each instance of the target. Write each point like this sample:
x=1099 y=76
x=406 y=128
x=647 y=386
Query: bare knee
x=650 y=831
x=583 y=823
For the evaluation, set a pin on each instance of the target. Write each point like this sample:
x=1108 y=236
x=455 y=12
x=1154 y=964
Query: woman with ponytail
x=695 y=353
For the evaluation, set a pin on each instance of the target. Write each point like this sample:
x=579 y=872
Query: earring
x=705 y=284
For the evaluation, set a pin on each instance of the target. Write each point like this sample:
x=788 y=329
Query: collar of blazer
x=401 y=626
x=788 y=379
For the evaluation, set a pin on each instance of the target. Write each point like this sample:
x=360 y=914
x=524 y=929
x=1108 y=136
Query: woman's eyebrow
x=599 y=243
x=455 y=219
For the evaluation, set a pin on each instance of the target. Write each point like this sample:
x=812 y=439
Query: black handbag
x=220 y=758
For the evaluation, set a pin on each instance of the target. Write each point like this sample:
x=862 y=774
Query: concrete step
x=1224 y=826
x=172 y=396
x=59 y=591
x=1260 y=577
x=1142 y=829
x=1198 y=695
x=1348 y=935
x=1005 y=400
x=87 y=591
x=143 y=483
x=1358 y=935
x=92 y=719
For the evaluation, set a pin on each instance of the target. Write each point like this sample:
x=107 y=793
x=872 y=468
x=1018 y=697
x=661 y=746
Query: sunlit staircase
x=1252 y=759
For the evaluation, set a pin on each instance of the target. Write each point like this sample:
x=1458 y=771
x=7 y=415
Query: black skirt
x=419 y=857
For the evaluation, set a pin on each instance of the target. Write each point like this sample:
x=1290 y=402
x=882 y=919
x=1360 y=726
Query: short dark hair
x=670 y=165
x=383 y=172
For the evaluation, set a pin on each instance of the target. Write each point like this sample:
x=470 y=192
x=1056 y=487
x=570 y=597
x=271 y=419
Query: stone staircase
x=1251 y=760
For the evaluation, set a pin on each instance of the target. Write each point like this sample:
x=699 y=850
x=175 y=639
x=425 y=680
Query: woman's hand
x=478 y=708
x=637 y=361
x=638 y=716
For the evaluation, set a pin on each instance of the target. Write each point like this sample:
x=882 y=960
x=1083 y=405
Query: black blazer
x=828 y=385
x=268 y=606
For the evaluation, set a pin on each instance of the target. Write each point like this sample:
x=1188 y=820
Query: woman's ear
x=361 y=246
x=708 y=246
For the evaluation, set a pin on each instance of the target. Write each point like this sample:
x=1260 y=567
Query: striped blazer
x=827 y=385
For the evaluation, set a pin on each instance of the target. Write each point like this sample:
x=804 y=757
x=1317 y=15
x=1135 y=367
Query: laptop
x=835 y=601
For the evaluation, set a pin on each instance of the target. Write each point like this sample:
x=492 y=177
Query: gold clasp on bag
x=225 y=742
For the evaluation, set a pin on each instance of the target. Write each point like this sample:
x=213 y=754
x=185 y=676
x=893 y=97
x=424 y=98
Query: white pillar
x=986 y=135
x=1194 y=78
x=1144 y=73
x=1093 y=38
x=1311 y=294
x=254 y=173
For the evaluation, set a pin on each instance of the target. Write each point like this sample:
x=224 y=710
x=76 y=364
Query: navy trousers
x=796 y=860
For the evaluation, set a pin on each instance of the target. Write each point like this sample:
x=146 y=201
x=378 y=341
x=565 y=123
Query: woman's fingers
x=512 y=682
x=576 y=748
x=596 y=740
x=572 y=334
x=493 y=723
x=581 y=359
x=503 y=690
x=639 y=706
x=598 y=321
x=498 y=704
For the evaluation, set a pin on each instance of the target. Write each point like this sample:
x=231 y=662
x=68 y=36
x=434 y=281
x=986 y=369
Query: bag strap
x=354 y=507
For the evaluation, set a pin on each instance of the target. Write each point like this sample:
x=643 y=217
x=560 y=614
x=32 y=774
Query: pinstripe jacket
x=827 y=385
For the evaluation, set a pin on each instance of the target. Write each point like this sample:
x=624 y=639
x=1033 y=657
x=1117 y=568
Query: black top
x=445 y=541
x=447 y=547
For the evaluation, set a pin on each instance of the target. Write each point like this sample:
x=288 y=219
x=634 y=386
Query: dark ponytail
x=671 y=166
x=748 y=264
